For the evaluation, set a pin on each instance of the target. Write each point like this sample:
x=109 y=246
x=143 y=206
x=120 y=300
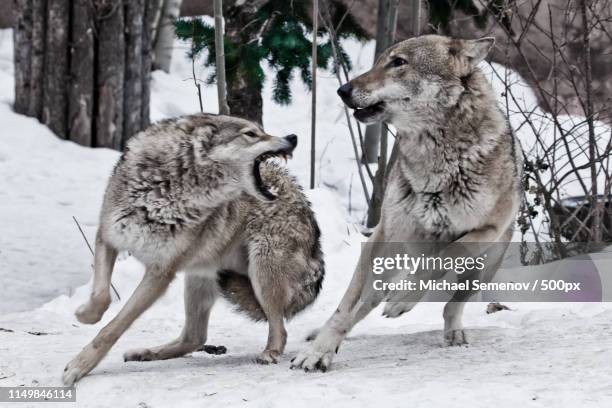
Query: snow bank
x=45 y=181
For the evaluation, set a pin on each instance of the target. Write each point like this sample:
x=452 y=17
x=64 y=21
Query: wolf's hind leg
x=200 y=295
x=104 y=260
x=270 y=290
x=454 y=335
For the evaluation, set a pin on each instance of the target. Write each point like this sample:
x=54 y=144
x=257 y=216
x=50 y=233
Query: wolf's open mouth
x=369 y=111
x=259 y=184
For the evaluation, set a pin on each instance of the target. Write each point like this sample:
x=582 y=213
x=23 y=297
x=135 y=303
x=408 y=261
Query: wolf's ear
x=476 y=50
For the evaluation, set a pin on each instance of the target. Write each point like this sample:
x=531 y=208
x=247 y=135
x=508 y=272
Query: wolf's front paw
x=268 y=357
x=455 y=337
x=312 y=359
x=313 y=335
x=74 y=371
x=71 y=375
x=91 y=312
x=83 y=363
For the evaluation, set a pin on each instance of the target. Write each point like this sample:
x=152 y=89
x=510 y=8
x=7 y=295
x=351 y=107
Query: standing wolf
x=457 y=174
x=195 y=194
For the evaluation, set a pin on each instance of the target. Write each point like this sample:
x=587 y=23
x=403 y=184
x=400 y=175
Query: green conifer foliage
x=279 y=35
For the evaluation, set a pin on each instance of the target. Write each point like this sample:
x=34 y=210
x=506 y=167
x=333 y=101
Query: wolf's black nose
x=292 y=139
x=345 y=90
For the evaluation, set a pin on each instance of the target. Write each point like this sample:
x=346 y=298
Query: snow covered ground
x=538 y=355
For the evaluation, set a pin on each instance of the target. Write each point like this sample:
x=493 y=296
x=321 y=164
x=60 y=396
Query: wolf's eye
x=398 y=62
x=250 y=133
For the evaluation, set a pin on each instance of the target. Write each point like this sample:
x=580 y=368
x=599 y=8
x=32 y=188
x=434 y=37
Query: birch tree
x=220 y=58
x=164 y=41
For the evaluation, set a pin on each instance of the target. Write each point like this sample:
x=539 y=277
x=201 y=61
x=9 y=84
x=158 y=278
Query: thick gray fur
x=183 y=197
x=457 y=177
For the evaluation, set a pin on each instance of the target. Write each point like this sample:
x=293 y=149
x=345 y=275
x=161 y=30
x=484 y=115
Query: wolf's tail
x=237 y=289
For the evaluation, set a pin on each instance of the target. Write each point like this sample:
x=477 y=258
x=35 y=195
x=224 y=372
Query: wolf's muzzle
x=345 y=92
x=292 y=139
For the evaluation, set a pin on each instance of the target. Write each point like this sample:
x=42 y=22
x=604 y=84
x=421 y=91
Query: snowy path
x=550 y=358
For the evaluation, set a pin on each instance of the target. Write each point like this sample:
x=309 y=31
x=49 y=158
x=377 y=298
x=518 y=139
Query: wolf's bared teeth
x=280 y=155
x=273 y=190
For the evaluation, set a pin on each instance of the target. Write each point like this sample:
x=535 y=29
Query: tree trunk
x=220 y=59
x=387 y=23
x=109 y=75
x=313 y=101
x=132 y=99
x=165 y=34
x=151 y=21
x=385 y=35
x=37 y=63
x=245 y=100
x=83 y=67
x=81 y=88
x=55 y=85
x=243 y=97
x=371 y=143
x=22 y=38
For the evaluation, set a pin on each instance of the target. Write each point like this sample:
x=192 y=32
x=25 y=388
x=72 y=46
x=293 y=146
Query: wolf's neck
x=440 y=151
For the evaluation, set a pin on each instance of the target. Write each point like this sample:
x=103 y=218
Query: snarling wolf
x=196 y=194
x=456 y=177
